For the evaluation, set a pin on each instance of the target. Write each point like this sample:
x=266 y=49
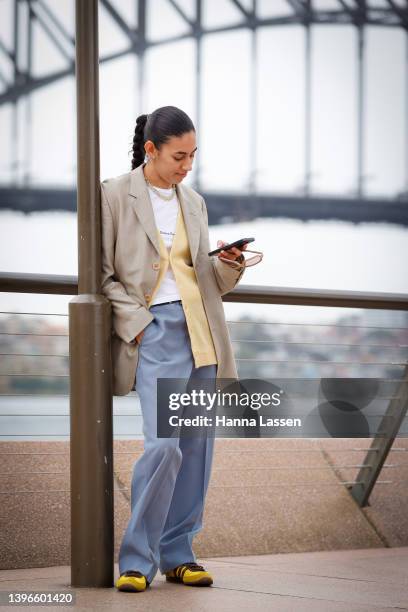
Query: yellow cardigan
x=202 y=345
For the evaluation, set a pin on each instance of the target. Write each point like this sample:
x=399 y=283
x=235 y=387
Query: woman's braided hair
x=159 y=127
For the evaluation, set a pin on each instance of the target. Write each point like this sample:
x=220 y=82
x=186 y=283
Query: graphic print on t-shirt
x=165 y=214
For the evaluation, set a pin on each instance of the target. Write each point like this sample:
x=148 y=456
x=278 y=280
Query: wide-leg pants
x=170 y=479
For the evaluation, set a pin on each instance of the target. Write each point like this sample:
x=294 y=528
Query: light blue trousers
x=170 y=479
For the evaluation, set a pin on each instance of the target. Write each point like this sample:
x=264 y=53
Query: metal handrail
x=17 y=282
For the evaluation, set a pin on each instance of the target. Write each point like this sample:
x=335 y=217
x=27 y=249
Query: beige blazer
x=130 y=268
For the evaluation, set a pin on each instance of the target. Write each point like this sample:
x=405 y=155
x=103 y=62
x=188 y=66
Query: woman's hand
x=139 y=336
x=232 y=254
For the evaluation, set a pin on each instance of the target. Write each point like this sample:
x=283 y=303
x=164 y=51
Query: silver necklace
x=161 y=195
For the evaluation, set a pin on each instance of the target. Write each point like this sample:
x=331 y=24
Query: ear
x=149 y=148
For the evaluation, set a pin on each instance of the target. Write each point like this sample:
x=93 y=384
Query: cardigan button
x=147 y=296
x=155 y=266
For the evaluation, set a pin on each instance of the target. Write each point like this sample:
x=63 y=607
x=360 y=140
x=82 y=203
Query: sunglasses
x=251 y=261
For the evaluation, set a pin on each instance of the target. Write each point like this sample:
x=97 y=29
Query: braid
x=138 y=141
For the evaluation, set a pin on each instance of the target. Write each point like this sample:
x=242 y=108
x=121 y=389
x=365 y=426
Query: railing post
x=382 y=443
x=91 y=441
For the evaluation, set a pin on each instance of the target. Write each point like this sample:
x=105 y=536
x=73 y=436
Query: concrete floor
x=265 y=497
x=367 y=580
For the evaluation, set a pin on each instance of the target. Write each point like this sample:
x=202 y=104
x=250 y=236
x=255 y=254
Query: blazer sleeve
x=226 y=275
x=129 y=317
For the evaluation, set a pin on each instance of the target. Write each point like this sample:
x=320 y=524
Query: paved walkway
x=366 y=580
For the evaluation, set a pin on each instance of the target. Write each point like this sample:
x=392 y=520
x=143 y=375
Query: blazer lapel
x=141 y=204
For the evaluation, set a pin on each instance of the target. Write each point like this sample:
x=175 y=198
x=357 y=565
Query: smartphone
x=226 y=247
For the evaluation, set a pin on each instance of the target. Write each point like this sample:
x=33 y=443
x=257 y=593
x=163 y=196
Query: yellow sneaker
x=190 y=574
x=132 y=581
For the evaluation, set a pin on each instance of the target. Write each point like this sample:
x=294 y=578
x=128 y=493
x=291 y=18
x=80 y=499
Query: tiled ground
x=367 y=580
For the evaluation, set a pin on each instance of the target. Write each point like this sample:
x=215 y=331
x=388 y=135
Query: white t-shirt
x=165 y=214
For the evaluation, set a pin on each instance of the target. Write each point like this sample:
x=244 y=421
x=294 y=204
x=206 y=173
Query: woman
x=168 y=322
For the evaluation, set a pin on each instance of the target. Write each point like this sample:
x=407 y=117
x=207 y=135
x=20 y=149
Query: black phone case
x=237 y=243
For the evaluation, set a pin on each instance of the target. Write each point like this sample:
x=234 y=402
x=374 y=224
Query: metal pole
x=91 y=443
x=198 y=91
x=29 y=114
x=381 y=444
x=15 y=108
x=308 y=110
x=141 y=31
x=360 y=111
x=406 y=113
x=253 y=115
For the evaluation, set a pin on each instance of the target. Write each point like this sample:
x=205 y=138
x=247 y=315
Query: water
x=47 y=418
